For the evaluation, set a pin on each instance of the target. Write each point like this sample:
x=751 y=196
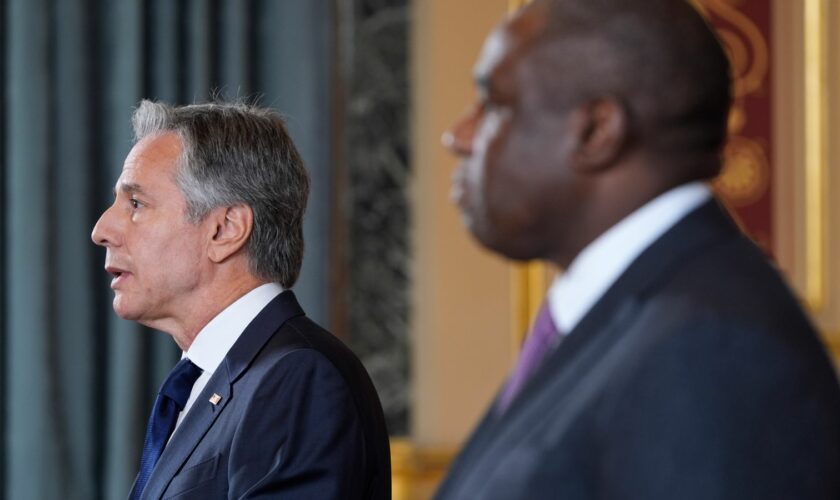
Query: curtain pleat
x=28 y=381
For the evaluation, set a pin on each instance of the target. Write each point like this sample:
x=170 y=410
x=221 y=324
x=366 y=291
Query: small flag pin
x=214 y=399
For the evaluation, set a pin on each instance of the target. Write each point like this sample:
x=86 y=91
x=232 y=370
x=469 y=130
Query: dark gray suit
x=298 y=418
x=696 y=376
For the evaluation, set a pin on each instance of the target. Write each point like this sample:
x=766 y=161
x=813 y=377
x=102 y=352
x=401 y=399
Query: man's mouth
x=120 y=275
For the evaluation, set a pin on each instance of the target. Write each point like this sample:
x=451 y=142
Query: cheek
x=492 y=134
x=490 y=150
x=185 y=249
x=176 y=255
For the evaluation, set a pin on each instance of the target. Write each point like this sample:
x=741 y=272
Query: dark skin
x=543 y=174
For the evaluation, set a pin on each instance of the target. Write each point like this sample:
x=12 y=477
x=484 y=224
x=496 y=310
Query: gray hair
x=235 y=153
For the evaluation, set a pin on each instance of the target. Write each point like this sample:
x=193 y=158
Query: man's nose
x=103 y=233
x=459 y=138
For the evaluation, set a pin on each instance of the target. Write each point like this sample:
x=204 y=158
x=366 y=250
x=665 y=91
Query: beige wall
x=461 y=300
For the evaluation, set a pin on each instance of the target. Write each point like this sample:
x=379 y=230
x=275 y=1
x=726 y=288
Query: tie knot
x=178 y=384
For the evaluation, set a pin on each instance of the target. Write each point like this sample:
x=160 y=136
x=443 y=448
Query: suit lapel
x=584 y=346
x=700 y=229
x=204 y=413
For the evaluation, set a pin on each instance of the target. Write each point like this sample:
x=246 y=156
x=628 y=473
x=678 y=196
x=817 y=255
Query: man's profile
x=204 y=241
x=670 y=360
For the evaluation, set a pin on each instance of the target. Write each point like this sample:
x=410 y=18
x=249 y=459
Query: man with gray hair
x=204 y=241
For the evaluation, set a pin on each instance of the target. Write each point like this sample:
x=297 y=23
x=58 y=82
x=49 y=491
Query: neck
x=204 y=305
x=619 y=192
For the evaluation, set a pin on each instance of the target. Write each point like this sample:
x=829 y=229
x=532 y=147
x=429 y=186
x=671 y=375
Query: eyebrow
x=130 y=188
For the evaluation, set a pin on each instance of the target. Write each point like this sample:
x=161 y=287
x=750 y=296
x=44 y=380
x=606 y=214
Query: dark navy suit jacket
x=298 y=418
x=696 y=376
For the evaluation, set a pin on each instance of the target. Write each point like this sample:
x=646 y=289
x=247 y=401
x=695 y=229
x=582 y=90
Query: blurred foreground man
x=204 y=240
x=670 y=360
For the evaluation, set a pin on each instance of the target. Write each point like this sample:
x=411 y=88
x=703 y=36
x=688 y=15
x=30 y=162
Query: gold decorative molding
x=416 y=471
x=832 y=341
x=748 y=51
x=745 y=177
x=815 y=31
x=530 y=282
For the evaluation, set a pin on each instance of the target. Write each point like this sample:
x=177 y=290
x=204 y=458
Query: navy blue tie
x=170 y=401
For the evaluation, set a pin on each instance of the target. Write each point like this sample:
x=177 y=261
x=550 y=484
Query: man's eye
x=134 y=203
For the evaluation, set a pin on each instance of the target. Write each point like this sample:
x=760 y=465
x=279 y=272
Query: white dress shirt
x=600 y=264
x=213 y=342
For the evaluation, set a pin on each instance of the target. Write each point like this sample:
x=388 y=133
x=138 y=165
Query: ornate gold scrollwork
x=746 y=177
x=746 y=172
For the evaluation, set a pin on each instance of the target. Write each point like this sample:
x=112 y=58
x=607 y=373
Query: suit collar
x=213 y=342
x=703 y=227
x=204 y=412
x=605 y=259
x=284 y=307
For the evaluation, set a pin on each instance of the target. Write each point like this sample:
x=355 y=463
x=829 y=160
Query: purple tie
x=537 y=345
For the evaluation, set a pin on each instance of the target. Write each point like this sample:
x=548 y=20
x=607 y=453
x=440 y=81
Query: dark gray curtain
x=77 y=381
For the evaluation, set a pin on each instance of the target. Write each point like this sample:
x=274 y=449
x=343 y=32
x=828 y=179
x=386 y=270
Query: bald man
x=670 y=360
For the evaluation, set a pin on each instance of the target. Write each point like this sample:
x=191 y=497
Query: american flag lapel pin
x=214 y=399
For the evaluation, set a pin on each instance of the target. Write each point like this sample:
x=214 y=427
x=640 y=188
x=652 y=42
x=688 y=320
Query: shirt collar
x=600 y=264
x=217 y=337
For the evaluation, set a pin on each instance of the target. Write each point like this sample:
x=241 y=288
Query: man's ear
x=603 y=134
x=231 y=230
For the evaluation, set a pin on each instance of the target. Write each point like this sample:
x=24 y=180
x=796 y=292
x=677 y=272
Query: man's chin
x=489 y=242
x=124 y=309
x=507 y=247
x=478 y=229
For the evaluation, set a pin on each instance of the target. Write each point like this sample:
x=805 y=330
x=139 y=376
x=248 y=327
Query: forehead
x=158 y=148
x=509 y=43
x=152 y=157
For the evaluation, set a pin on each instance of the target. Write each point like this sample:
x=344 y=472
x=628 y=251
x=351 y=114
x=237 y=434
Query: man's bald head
x=658 y=57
